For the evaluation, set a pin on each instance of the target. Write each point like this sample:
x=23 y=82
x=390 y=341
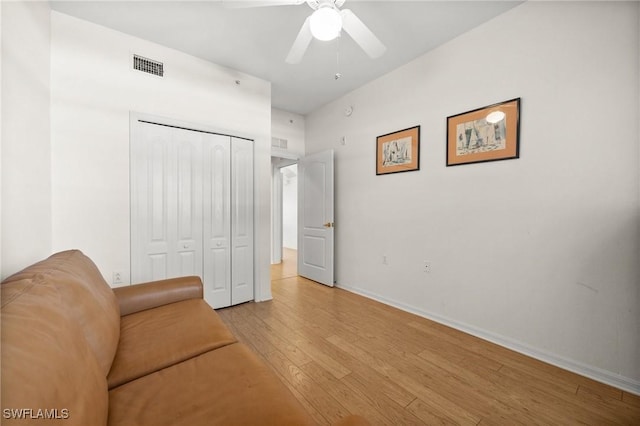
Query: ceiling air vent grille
x=148 y=65
x=279 y=143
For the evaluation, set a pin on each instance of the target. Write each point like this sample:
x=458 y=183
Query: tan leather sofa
x=76 y=352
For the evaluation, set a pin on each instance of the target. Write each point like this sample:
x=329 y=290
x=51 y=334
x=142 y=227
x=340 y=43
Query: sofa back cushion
x=86 y=297
x=48 y=370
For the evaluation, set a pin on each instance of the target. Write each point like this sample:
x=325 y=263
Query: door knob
x=328 y=225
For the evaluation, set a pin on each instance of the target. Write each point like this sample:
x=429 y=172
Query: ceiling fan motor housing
x=315 y=4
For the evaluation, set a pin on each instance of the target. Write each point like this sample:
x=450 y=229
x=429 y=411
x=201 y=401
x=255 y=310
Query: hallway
x=289 y=266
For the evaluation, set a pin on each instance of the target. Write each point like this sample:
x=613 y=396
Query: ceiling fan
x=325 y=23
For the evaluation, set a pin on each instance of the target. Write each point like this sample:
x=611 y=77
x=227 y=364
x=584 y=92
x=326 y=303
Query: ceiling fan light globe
x=325 y=23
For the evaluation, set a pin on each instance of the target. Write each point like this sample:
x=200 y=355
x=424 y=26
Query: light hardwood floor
x=341 y=353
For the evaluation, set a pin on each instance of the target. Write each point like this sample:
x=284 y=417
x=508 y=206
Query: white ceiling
x=256 y=41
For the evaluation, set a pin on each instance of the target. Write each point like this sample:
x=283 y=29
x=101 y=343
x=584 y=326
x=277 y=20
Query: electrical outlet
x=384 y=260
x=427 y=266
x=118 y=277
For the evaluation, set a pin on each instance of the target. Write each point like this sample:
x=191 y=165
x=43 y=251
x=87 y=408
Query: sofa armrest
x=139 y=297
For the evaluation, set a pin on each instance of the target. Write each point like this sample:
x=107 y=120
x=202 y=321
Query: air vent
x=148 y=65
x=279 y=143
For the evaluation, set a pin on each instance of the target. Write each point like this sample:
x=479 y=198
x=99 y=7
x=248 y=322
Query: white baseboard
x=621 y=382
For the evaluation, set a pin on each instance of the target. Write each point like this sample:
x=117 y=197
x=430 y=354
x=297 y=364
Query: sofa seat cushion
x=227 y=386
x=160 y=337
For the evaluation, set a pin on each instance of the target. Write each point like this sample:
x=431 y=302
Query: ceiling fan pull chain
x=338 y=75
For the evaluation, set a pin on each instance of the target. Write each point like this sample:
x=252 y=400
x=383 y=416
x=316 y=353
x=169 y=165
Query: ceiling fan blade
x=301 y=44
x=362 y=34
x=245 y=4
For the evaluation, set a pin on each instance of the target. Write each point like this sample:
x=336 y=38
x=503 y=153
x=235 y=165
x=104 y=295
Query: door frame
x=258 y=291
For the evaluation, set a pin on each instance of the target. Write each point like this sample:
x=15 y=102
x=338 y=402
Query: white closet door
x=166 y=221
x=242 y=220
x=188 y=148
x=192 y=210
x=217 y=220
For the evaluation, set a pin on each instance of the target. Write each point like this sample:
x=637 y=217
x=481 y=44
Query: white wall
x=289 y=126
x=93 y=89
x=25 y=162
x=1 y=270
x=539 y=253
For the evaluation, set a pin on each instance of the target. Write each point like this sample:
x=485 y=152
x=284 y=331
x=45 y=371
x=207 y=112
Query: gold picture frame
x=489 y=133
x=398 y=151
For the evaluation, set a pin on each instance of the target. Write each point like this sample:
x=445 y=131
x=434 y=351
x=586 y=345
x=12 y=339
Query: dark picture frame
x=398 y=151
x=490 y=133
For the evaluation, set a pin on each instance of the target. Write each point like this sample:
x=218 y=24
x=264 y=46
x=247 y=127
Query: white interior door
x=192 y=209
x=166 y=222
x=217 y=221
x=315 y=217
x=241 y=220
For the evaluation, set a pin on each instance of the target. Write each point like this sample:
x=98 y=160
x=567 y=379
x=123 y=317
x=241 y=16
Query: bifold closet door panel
x=242 y=221
x=166 y=189
x=189 y=202
x=217 y=220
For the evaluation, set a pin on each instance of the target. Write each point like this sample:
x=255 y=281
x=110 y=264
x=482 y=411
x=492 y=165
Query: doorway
x=284 y=250
x=315 y=214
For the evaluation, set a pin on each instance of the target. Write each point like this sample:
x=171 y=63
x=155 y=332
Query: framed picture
x=489 y=133
x=398 y=151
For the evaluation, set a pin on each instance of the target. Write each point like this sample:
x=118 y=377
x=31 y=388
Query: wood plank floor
x=341 y=353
